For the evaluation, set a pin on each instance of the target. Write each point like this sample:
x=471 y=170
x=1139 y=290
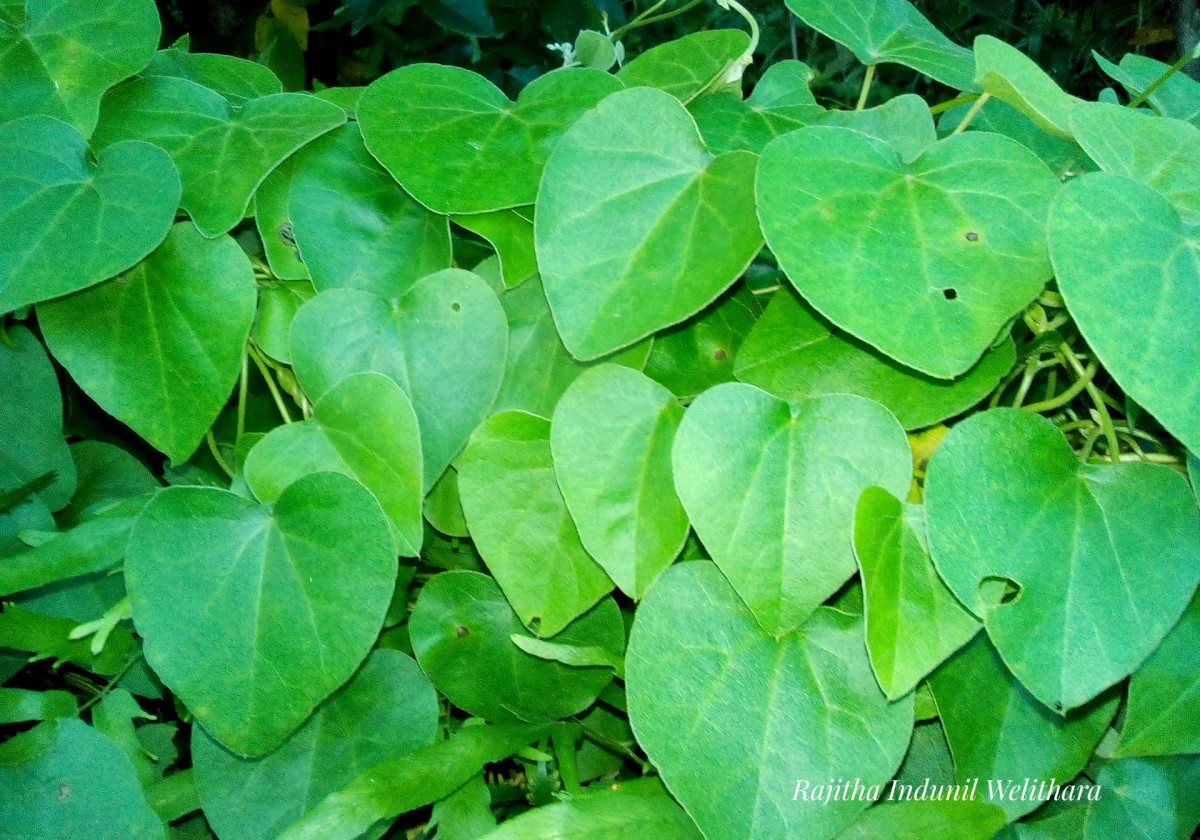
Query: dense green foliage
x=654 y=449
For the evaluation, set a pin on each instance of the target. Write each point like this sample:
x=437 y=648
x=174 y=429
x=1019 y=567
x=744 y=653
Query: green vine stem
x=975 y=109
x=648 y=16
x=270 y=380
x=216 y=453
x=868 y=77
x=243 y=387
x=1157 y=83
x=734 y=73
x=961 y=99
x=1105 y=419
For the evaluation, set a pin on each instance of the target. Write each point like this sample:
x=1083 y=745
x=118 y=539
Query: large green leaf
x=363 y=427
x=925 y=261
x=627 y=810
x=1008 y=74
x=58 y=57
x=402 y=784
x=521 y=524
x=1159 y=152
x=440 y=130
x=925 y=819
x=354 y=227
x=636 y=231
x=31 y=421
x=443 y=342
x=83 y=786
x=223 y=149
x=461 y=630
x=1003 y=736
x=1129 y=269
x=160 y=347
x=793 y=352
x=611 y=437
x=1135 y=239
x=1160 y=718
x=387 y=710
x=1105 y=557
x=1150 y=799
x=254 y=615
x=889 y=31
x=98 y=213
x=770 y=488
x=780 y=102
x=738 y=722
x=913 y=621
x=686 y=67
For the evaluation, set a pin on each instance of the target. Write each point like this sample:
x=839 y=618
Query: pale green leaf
x=234 y=78
x=1177 y=97
x=780 y=102
x=687 y=66
x=903 y=122
x=1006 y=73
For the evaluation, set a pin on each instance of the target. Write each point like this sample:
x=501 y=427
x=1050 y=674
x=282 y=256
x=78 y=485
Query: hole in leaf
x=1058 y=707
x=996 y=590
x=972 y=236
x=950 y=293
x=720 y=355
x=461 y=631
x=455 y=306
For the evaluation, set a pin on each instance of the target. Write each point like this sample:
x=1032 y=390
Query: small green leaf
x=386 y=711
x=222 y=149
x=889 y=31
x=32 y=448
x=611 y=437
x=354 y=226
x=665 y=230
x=402 y=784
x=439 y=130
x=713 y=697
x=1062 y=532
x=234 y=78
x=100 y=213
x=999 y=732
x=1160 y=718
x=160 y=347
x=1014 y=78
x=443 y=342
x=510 y=232
x=687 y=66
x=253 y=616
x=462 y=632
x=780 y=102
x=58 y=57
x=84 y=786
x=1129 y=269
x=770 y=488
x=363 y=427
x=278 y=304
x=521 y=524
x=913 y=621
x=595 y=49
x=905 y=123
x=925 y=261
x=795 y=353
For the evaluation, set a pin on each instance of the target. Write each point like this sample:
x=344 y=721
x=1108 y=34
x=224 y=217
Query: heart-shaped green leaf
x=439 y=130
x=1105 y=557
x=160 y=347
x=1159 y=152
x=1129 y=269
x=1008 y=74
x=31 y=421
x=354 y=227
x=222 y=149
x=780 y=102
x=1163 y=695
x=889 y=31
x=461 y=630
x=363 y=427
x=913 y=621
x=925 y=261
x=713 y=697
x=687 y=66
x=636 y=231
x=998 y=731
x=387 y=710
x=611 y=437
x=794 y=353
x=443 y=342
x=80 y=785
x=770 y=488
x=58 y=57
x=234 y=78
x=254 y=615
x=100 y=215
x=521 y=524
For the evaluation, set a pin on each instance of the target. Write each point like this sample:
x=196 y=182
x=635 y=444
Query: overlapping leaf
x=687 y=66
x=1014 y=78
x=780 y=102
